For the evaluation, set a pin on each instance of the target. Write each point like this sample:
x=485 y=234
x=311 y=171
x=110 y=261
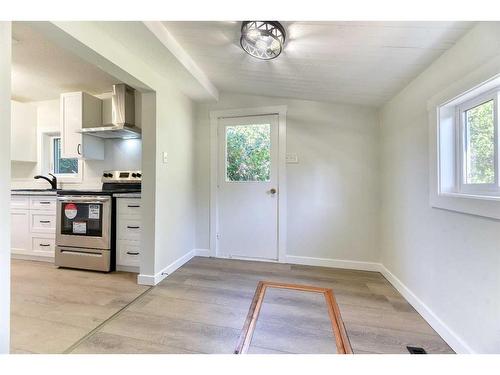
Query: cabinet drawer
x=43 y=246
x=42 y=222
x=129 y=229
x=129 y=207
x=19 y=202
x=43 y=203
x=128 y=253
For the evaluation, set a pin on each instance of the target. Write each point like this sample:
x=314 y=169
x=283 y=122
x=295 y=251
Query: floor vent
x=416 y=350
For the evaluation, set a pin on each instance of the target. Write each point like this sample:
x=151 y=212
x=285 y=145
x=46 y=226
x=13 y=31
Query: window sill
x=478 y=205
x=472 y=196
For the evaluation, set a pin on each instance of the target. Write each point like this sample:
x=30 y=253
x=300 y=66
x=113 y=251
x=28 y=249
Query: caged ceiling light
x=262 y=39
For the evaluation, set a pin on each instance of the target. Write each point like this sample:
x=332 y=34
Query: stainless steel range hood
x=122 y=116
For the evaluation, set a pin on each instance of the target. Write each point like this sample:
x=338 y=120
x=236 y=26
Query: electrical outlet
x=165 y=158
x=292 y=158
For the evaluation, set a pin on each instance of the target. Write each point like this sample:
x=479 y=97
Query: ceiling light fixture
x=262 y=39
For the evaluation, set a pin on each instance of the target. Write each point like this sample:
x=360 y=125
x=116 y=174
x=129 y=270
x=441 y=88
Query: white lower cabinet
x=20 y=231
x=128 y=232
x=33 y=225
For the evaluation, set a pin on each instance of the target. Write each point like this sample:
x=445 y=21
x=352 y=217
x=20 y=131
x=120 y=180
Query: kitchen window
x=59 y=165
x=65 y=169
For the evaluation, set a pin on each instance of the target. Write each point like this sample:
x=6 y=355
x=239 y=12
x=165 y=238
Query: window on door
x=248 y=153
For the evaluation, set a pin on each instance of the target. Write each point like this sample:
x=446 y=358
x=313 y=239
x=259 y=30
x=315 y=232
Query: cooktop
x=113 y=182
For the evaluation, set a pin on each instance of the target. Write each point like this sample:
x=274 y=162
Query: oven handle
x=81 y=253
x=92 y=200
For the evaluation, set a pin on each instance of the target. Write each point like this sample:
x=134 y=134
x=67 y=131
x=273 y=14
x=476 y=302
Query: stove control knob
x=139 y=175
x=134 y=175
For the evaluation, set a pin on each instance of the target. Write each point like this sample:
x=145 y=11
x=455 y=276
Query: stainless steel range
x=86 y=222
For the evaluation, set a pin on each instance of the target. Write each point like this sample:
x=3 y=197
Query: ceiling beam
x=165 y=37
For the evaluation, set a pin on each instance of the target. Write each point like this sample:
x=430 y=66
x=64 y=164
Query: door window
x=248 y=153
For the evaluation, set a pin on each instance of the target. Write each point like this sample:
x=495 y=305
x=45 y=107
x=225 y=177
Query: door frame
x=280 y=111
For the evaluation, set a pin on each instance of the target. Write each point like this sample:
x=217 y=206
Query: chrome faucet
x=52 y=181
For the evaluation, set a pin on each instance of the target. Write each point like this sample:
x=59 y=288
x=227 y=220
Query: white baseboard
x=448 y=335
x=202 y=252
x=159 y=276
x=334 y=263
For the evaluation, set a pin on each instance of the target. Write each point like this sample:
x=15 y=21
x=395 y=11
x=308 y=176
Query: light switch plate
x=292 y=158
x=165 y=158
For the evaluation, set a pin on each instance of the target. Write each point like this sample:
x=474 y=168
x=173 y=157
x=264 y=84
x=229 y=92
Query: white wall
x=167 y=191
x=118 y=153
x=5 y=50
x=333 y=203
x=175 y=222
x=450 y=261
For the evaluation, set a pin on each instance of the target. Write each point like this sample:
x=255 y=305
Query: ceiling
x=41 y=70
x=348 y=62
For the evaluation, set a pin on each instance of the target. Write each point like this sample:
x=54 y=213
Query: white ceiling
x=348 y=62
x=42 y=70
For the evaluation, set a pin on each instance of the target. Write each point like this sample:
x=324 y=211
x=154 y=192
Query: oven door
x=84 y=221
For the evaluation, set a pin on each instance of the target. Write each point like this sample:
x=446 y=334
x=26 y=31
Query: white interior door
x=247 y=187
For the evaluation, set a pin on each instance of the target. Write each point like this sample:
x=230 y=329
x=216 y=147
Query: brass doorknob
x=272 y=191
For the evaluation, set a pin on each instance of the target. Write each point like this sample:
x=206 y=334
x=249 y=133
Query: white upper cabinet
x=23 y=132
x=78 y=110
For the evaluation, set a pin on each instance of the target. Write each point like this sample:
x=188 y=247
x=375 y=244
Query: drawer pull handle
x=45 y=221
x=44 y=202
x=133 y=206
x=132 y=253
x=132 y=227
x=44 y=244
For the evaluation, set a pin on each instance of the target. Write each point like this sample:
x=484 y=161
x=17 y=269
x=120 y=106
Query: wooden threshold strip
x=341 y=339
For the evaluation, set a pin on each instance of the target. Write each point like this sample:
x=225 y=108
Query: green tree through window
x=480 y=144
x=248 y=153
x=63 y=165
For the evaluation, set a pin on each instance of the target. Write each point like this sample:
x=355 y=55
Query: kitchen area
x=76 y=155
x=74 y=226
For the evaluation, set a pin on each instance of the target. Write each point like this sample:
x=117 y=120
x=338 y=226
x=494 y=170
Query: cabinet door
x=71 y=123
x=20 y=231
x=79 y=110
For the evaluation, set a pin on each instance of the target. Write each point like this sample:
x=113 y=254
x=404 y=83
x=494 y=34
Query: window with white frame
x=65 y=169
x=58 y=165
x=478 y=144
x=468 y=144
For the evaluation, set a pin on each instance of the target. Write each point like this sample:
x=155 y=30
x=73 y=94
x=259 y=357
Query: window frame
x=462 y=187
x=226 y=178
x=48 y=157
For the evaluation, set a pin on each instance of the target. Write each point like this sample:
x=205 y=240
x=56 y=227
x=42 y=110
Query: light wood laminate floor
x=202 y=306
x=52 y=309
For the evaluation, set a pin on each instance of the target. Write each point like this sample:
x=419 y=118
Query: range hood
x=122 y=116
